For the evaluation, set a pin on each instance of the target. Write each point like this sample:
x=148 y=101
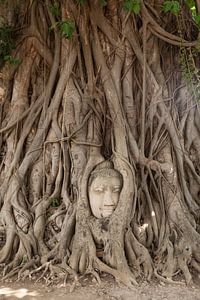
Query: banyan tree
x=100 y=138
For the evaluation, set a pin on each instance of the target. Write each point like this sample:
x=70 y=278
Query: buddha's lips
x=110 y=211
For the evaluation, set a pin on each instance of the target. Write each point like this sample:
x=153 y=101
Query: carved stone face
x=104 y=195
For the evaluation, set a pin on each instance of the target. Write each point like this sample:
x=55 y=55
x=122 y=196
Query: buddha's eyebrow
x=99 y=185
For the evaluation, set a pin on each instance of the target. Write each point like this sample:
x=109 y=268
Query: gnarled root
x=165 y=279
x=83 y=250
x=27 y=266
x=142 y=255
x=183 y=255
x=177 y=259
x=85 y=261
x=125 y=277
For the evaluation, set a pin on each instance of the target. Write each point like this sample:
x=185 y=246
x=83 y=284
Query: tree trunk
x=99 y=106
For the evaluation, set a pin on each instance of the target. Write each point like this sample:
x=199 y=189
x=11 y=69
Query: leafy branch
x=174 y=8
x=66 y=28
x=132 y=6
x=171 y=6
x=195 y=15
x=191 y=73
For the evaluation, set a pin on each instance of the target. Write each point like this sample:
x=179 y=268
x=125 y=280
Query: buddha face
x=104 y=195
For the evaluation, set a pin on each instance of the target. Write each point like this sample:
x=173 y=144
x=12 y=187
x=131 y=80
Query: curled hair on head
x=104 y=169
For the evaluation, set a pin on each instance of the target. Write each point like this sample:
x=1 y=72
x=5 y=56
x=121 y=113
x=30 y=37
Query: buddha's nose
x=108 y=201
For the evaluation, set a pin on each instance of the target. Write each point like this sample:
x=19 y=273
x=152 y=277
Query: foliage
x=190 y=72
x=197 y=19
x=192 y=7
x=81 y=2
x=190 y=3
x=132 y=6
x=171 y=6
x=6 y=40
x=55 y=9
x=174 y=8
x=55 y=202
x=67 y=28
x=7 y=45
x=12 y=60
x=103 y=2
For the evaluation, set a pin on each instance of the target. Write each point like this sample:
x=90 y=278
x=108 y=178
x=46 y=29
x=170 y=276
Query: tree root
x=91 y=271
x=178 y=258
x=11 y=273
x=44 y=266
x=166 y=279
x=195 y=265
x=84 y=259
x=125 y=277
x=32 y=263
x=142 y=255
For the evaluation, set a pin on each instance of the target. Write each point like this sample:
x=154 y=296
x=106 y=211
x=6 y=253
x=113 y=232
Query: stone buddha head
x=104 y=187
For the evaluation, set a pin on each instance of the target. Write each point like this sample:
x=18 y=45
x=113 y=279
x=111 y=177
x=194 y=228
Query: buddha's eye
x=99 y=190
x=116 y=190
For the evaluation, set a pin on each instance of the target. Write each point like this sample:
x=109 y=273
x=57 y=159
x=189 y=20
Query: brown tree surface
x=87 y=82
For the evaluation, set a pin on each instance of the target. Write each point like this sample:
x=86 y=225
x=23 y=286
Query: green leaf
x=190 y=3
x=81 y=2
x=55 y=9
x=55 y=202
x=7 y=44
x=7 y=57
x=103 y=2
x=132 y=6
x=197 y=19
x=67 y=29
x=12 y=60
x=15 y=61
x=171 y=6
